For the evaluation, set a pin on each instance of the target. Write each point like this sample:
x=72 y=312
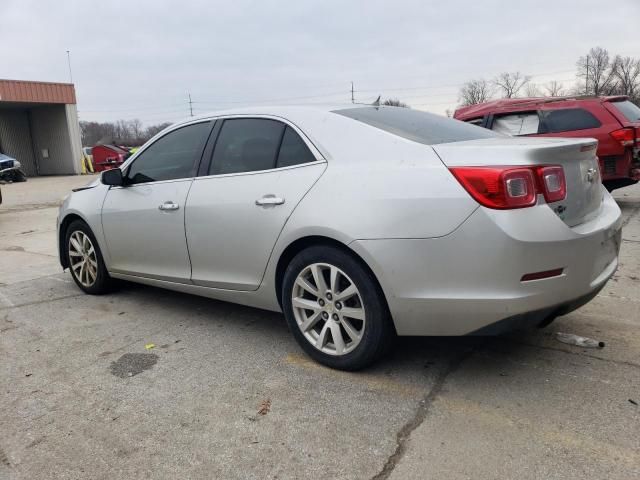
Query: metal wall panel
x=51 y=136
x=15 y=138
x=75 y=137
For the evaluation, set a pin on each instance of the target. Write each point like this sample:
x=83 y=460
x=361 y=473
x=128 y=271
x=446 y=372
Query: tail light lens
x=554 y=185
x=511 y=187
x=626 y=136
x=496 y=187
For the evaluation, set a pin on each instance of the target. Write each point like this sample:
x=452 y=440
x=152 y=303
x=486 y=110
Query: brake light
x=498 y=187
x=626 y=136
x=511 y=187
x=554 y=185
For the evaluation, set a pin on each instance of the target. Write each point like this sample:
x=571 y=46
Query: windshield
x=415 y=125
x=629 y=109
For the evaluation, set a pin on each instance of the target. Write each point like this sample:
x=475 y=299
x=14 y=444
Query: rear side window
x=293 y=150
x=172 y=156
x=526 y=123
x=421 y=127
x=246 y=145
x=254 y=144
x=568 y=119
x=629 y=109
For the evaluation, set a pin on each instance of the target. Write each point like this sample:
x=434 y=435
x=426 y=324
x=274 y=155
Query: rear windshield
x=421 y=127
x=629 y=109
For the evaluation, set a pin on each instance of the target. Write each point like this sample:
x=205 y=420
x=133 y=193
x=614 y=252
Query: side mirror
x=113 y=177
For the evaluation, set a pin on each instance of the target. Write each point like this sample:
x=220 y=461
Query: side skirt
x=256 y=299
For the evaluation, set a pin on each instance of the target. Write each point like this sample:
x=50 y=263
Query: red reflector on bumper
x=540 y=275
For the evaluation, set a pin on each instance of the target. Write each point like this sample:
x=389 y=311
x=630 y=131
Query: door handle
x=168 y=206
x=269 y=199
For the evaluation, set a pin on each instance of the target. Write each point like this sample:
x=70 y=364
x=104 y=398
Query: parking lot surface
x=146 y=383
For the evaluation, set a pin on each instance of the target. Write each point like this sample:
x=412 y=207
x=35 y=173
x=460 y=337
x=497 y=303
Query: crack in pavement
x=634 y=211
x=580 y=354
x=30 y=207
x=38 y=302
x=420 y=415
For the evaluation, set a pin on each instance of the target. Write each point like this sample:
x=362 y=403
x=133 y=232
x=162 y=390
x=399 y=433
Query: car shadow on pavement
x=407 y=352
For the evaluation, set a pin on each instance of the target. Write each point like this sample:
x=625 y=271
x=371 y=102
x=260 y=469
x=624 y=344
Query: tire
x=19 y=176
x=360 y=342
x=94 y=263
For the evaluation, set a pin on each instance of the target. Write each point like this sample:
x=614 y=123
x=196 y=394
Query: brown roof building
x=39 y=126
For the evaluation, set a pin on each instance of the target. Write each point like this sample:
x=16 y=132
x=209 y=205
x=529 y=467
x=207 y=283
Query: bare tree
x=532 y=90
x=554 y=89
x=627 y=72
x=511 y=83
x=123 y=132
x=596 y=73
x=394 y=102
x=153 y=130
x=475 y=91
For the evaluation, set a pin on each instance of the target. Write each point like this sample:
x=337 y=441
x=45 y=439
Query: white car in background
x=358 y=222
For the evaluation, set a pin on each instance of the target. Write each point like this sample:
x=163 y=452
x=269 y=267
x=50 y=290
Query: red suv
x=613 y=121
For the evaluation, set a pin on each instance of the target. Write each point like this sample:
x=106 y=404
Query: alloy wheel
x=82 y=258
x=328 y=309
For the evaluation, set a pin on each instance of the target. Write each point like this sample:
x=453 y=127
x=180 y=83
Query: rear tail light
x=554 y=185
x=626 y=136
x=511 y=187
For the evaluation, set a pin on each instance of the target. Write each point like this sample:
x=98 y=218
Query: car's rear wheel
x=85 y=259
x=335 y=308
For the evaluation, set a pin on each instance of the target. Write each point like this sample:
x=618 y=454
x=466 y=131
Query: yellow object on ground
x=87 y=164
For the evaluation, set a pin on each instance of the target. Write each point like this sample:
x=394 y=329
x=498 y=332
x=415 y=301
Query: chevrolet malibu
x=359 y=223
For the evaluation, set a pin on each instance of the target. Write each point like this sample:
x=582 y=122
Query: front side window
x=526 y=123
x=476 y=121
x=172 y=156
x=254 y=144
x=568 y=119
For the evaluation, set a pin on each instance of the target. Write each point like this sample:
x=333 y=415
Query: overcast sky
x=140 y=59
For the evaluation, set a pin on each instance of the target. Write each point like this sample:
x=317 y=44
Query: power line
x=330 y=97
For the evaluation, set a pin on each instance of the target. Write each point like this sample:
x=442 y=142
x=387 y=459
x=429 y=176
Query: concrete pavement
x=226 y=392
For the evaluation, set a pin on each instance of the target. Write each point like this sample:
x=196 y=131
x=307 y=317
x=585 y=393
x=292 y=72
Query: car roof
x=289 y=112
x=284 y=111
x=503 y=104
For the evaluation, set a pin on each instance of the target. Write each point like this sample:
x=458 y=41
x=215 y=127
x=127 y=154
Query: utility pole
x=190 y=105
x=69 y=64
x=586 y=80
x=352 y=97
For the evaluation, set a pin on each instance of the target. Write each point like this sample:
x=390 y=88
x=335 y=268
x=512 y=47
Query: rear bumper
x=469 y=280
x=618 y=168
x=537 y=318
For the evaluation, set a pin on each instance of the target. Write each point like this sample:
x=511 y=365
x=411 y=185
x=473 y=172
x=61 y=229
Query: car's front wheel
x=335 y=308
x=85 y=259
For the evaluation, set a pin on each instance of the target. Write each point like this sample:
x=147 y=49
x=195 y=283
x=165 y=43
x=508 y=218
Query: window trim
x=208 y=158
x=194 y=171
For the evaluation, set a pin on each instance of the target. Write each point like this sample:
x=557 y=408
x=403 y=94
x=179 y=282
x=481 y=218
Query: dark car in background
x=614 y=121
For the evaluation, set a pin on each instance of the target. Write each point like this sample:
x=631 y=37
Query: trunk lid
x=576 y=156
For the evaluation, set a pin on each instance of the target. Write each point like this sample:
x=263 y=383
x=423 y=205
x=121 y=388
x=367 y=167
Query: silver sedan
x=359 y=223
